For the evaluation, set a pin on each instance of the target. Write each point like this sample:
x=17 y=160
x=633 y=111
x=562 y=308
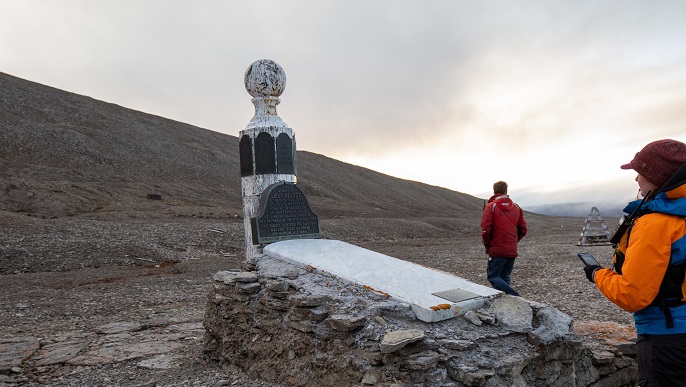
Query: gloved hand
x=590 y=269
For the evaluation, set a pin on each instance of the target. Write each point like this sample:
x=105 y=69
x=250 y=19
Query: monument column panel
x=267 y=144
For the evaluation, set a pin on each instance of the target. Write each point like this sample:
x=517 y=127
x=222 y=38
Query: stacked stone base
x=289 y=326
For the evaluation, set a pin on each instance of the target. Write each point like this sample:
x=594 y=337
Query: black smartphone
x=588 y=259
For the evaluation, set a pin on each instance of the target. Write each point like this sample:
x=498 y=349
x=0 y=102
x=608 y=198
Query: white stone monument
x=267 y=144
x=595 y=232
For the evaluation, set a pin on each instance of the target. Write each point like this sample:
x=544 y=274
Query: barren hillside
x=67 y=154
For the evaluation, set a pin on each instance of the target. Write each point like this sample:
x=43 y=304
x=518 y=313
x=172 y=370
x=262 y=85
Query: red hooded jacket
x=502 y=226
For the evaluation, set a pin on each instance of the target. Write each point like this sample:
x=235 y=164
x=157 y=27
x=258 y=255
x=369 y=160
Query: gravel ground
x=66 y=277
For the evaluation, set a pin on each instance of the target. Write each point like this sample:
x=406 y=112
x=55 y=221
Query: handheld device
x=588 y=259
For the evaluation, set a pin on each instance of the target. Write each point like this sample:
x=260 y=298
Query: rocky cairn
x=287 y=325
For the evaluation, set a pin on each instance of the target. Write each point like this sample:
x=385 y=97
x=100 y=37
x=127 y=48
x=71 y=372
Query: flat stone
x=601 y=356
x=309 y=301
x=277 y=286
x=119 y=327
x=246 y=276
x=473 y=318
x=224 y=276
x=312 y=314
x=249 y=288
x=395 y=340
x=14 y=350
x=160 y=362
x=554 y=325
x=421 y=361
x=345 y=322
x=275 y=303
x=58 y=353
x=125 y=352
x=513 y=313
x=371 y=377
x=459 y=345
x=192 y=327
x=470 y=376
x=302 y=326
x=486 y=316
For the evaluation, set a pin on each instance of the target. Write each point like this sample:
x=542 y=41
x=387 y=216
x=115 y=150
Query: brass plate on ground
x=456 y=295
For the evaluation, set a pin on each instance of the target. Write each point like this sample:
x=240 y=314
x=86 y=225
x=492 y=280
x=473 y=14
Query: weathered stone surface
x=280 y=295
x=345 y=322
x=371 y=377
x=395 y=340
x=60 y=352
x=513 y=313
x=119 y=327
x=379 y=320
x=124 y=352
x=13 y=351
x=627 y=349
x=309 y=301
x=469 y=375
x=249 y=288
x=312 y=314
x=245 y=276
x=160 y=362
x=602 y=357
x=421 y=361
x=554 y=325
x=277 y=286
x=302 y=326
x=275 y=303
x=486 y=316
x=230 y=277
x=459 y=345
x=623 y=377
x=224 y=276
x=473 y=318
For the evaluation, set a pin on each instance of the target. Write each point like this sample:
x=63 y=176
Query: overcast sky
x=551 y=96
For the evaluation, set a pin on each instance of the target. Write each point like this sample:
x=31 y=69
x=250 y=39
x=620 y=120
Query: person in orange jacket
x=502 y=227
x=647 y=277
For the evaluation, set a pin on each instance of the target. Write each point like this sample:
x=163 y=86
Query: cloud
x=453 y=93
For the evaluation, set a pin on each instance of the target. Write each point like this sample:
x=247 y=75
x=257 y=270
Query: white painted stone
x=265 y=80
x=398 y=279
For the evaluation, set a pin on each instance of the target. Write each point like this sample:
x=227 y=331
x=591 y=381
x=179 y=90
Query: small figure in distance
x=502 y=227
x=647 y=278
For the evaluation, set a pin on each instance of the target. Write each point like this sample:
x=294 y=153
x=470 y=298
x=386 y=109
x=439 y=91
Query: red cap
x=658 y=160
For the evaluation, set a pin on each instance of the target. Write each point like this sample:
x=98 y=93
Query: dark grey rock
x=395 y=340
x=345 y=322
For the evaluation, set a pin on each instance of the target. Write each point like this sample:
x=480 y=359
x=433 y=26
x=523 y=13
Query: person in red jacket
x=502 y=227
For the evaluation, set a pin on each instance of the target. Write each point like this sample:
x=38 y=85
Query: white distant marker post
x=267 y=144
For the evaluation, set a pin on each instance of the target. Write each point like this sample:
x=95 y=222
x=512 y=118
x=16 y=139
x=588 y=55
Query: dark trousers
x=498 y=274
x=661 y=360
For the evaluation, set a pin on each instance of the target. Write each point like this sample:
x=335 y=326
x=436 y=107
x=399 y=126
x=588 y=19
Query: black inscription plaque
x=265 y=158
x=245 y=148
x=284 y=154
x=284 y=214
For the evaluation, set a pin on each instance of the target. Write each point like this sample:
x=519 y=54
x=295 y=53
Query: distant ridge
x=64 y=154
x=579 y=209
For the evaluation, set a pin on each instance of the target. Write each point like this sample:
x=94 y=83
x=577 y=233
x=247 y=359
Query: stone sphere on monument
x=265 y=78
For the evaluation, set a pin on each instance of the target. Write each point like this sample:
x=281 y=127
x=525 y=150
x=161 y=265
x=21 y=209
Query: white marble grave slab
x=401 y=280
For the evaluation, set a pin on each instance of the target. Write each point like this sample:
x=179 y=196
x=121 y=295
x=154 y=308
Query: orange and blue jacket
x=655 y=241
